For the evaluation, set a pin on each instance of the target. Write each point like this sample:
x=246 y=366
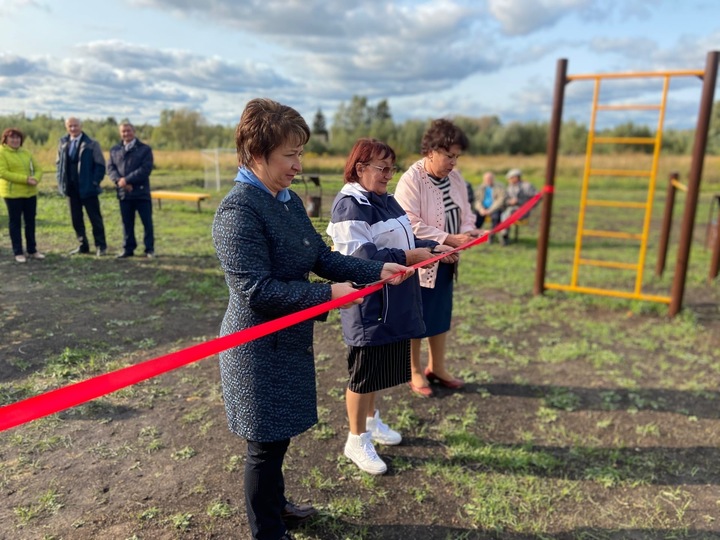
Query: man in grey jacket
x=517 y=193
x=129 y=167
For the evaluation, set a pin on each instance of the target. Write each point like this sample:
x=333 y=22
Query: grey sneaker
x=380 y=432
x=360 y=450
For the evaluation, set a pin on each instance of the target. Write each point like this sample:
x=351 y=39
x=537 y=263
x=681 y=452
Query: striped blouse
x=452 y=210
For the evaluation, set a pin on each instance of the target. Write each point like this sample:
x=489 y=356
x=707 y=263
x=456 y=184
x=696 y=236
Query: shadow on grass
x=343 y=529
x=701 y=404
x=705 y=312
x=607 y=466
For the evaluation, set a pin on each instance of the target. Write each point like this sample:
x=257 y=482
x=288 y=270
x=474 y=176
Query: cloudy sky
x=134 y=58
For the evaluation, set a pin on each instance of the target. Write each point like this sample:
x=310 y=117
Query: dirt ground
x=93 y=455
x=138 y=462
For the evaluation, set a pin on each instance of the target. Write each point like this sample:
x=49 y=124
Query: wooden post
x=715 y=261
x=666 y=225
x=701 y=134
x=552 y=152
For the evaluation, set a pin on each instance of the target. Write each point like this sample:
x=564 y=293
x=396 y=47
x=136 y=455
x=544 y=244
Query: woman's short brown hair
x=443 y=134
x=12 y=131
x=265 y=125
x=364 y=151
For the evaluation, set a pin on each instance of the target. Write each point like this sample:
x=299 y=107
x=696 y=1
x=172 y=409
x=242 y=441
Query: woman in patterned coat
x=267 y=248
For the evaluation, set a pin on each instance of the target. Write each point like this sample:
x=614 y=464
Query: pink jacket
x=423 y=203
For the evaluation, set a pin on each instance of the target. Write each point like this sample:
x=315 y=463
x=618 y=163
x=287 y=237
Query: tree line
x=184 y=129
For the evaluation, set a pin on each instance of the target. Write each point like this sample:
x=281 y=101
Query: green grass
x=584 y=416
x=220 y=509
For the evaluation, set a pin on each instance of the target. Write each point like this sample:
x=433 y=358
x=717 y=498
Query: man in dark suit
x=129 y=167
x=80 y=169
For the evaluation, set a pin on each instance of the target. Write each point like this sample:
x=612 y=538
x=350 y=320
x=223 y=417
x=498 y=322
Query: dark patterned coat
x=267 y=249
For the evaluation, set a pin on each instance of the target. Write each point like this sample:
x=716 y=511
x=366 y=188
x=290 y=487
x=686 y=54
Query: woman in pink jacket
x=435 y=197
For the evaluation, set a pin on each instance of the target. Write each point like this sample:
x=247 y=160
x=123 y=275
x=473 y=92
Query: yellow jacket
x=15 y=167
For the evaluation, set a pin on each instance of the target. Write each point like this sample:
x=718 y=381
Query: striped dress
x=452 y=210
x=438 y=319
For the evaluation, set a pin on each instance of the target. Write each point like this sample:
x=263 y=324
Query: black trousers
x=19 y=210
x=92 y=209
x=265 y=488
x=127 y=211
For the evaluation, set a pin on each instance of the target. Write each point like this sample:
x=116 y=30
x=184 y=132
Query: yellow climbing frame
x=651 y=174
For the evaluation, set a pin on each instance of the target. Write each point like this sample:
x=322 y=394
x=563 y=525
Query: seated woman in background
x=489 y=201
x=368 y=223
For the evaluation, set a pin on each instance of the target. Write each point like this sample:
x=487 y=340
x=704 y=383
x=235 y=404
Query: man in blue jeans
x=129 y=167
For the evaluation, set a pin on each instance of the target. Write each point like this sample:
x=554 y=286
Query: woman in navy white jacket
x=368 y=223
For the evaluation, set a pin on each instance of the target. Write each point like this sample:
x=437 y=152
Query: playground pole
x=701 y=134
x=715 y=261
x=552 y=152
x=666 y=224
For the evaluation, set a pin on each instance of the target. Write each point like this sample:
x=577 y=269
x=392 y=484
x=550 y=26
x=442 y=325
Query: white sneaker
x=36 y=255
x=20 y=258
x=380 y=432
x=360 y=450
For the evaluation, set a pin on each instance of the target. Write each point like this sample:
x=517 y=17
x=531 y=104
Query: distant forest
x=188 y=130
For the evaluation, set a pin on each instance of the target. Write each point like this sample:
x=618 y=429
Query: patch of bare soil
x=156 y=461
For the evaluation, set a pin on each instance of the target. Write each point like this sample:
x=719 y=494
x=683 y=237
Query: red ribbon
x=74 y=394
x=511 y=220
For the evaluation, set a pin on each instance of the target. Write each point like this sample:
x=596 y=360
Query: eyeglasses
x=385 y=171
x=451 y=157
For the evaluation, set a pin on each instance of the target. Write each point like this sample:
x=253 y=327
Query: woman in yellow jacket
x=19 y=177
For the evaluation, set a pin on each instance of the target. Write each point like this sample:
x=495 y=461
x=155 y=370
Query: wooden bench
x=520 y=223
x=179 y=196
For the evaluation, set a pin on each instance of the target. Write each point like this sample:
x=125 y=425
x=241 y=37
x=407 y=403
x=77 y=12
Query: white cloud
x=519 y=17
x=646 y=54
x=269 y=17
x=104 y=74
x=430 y=58
x=181 y=67
x=373 y=47
x=12 y=65
x=8 y=7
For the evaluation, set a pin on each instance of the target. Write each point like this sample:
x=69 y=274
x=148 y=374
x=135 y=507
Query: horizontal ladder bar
x=612 y=234
x=629 y=107
x=608 y=264
x=624 y=140
x=637 y=74
x=619 y=172
x=609 y=292
x=616 y=204
x=679 y=185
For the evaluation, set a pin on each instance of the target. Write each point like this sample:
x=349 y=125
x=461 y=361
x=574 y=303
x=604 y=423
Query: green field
x=584 y=417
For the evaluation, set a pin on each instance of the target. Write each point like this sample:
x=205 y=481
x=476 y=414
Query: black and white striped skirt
x=375 y=367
